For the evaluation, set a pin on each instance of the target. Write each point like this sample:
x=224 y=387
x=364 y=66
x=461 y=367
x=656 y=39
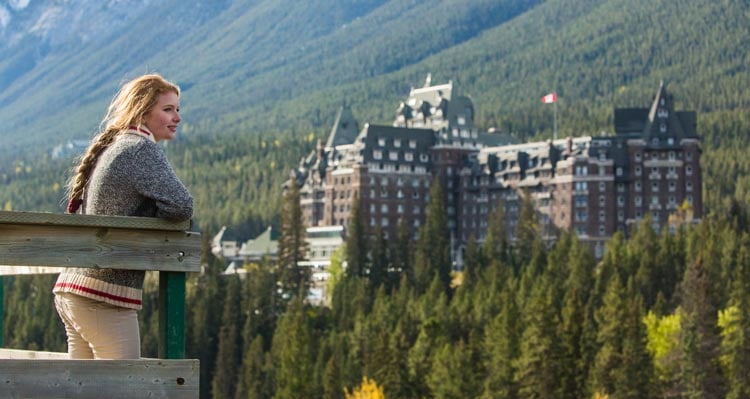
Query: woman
x=124 y=172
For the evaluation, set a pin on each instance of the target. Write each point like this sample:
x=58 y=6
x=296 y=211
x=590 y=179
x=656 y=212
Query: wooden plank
x=99 y=247
x=23 y=270
x=62 y=219
x=142 y=378
x=24 y=354
x=171 y=315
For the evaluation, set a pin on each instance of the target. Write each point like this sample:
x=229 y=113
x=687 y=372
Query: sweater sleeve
x=155 y=179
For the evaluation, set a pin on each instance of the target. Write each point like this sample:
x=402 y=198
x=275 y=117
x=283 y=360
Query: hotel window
x=671 y=155
x=408 y=156
x=377 y=154
x=654 y=187
x=690 y=199
x=663 y=127
x=689 y=156
x=381 y=142
x=638 y=186
x=689 y=170
x=602 y=216
x=416 y=209
x=637 y=170
x=384 y=208
x=400 y=208
x=620 y=216
x=602 y=186
x=601 y=200
x=372 y=208
x=424 y=157
x=384 y=181
x=412 y=143
x=393 y=156
x=620 y=200
x=672 y=186
x=384 y=222
x=619 y=171
x=397 y=143
x=638 y=200
x=637 y=156
x=689 y=186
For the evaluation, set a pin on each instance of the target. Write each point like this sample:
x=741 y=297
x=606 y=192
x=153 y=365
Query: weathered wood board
x=142 y=378
x=52 y=240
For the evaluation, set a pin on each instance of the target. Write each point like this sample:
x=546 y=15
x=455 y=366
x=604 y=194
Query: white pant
x=98 y=330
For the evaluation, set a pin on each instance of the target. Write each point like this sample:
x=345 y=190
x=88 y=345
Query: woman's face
x=162 y=120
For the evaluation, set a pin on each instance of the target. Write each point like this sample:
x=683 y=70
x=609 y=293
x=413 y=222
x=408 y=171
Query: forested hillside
x=273 y=70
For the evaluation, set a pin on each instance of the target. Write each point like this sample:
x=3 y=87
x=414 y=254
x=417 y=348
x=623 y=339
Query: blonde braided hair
x=128 y=108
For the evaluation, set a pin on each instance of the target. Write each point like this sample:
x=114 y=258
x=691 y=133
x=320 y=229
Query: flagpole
x=554 y=128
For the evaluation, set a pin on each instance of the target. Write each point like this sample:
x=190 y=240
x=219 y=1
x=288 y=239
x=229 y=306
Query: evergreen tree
x=455 y=372
x=402 y=256
x=356 y=242
x=293 y=354
x=579 y=326
x=502 y=347
x=496 y=245
x=473 y=263
x=433 y=256
x=203 y=316
x=253 y=375
x=700 y=375
x=539 y=364
x=636 y=375
x=292 y=245
x=228 y=356
x=735 y=346
x=604 y=374
x=528 y=235
x=332 y=387
x=378 y=270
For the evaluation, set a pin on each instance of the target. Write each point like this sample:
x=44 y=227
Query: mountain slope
x=276 y=71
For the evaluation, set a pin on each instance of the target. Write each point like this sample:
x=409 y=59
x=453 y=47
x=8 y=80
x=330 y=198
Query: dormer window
x=381 y=142
x=377 y=154
x=397 y=143
x=412 y=143
x=663 y=127
x=662 y=113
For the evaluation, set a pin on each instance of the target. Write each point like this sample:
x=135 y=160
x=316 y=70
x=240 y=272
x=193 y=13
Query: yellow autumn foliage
x=369 y=389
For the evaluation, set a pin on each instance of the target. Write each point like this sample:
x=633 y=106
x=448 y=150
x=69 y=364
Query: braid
x=84 y=169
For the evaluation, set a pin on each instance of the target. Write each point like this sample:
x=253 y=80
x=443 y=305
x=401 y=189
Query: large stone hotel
x=593 y=186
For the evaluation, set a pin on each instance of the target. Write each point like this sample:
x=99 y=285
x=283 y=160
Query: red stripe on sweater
x=97 y=292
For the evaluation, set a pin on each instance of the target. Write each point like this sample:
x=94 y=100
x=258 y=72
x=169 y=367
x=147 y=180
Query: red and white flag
x=549 y=98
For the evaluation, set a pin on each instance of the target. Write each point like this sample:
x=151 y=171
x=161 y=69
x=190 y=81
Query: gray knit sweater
x=131 y=178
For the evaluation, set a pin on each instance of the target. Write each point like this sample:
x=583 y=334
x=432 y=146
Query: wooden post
x=171 y=315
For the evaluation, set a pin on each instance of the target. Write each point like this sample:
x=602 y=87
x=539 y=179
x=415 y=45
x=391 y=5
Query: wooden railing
x=38 y=243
